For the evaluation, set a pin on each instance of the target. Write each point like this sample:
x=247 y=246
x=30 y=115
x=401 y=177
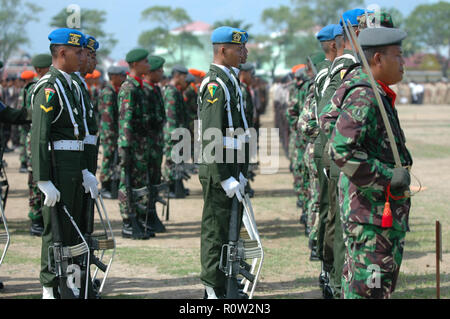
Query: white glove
x=243 y=182
x=232 y=187
x=52 y=195
x=90 y=183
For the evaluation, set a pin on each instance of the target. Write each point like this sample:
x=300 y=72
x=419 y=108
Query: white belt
x=90 y=139
x=235 y=143
x=67 y=145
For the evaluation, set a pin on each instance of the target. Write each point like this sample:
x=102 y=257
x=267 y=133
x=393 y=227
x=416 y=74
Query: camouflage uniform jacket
x=248 y=100
x=156 y=112
x=360 y=148
x=307 y=123
x=175 y=115
x=109 y=112
x=190 y=100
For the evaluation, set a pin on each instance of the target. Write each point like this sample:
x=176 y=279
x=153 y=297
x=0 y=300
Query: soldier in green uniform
x=374 y=210
x=41 y=64
x=334 y=246
x=58 y=123
x=109 y=131
x=190 y=96
x=220 y=108
x=175 y=118
x=133 y=149
x=88 y=61
x=157 y=116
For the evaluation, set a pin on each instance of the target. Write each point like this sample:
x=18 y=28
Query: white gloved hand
x=52 y=194
x=243 y=182
x=90 y=183
x=232 y=187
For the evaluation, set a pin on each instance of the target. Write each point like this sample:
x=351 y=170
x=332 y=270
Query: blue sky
x=123 y=17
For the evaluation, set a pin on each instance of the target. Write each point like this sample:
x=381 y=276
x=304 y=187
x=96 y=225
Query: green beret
x=317 y=57
x=41 y=60
x=377 y=37
x=1 y=64
x=136 y=55
x=155 y=62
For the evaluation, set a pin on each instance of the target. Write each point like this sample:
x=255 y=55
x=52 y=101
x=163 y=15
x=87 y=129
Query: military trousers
x=372 y=262
x=214 y=231
x=323 y=206
x=69 y=183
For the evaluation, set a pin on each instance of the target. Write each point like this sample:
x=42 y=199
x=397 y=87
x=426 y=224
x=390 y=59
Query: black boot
x=37 y=227
x=133 y=229
x=153 y=222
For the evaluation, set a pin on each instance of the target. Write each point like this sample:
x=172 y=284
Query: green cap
x=377 y=37
x=375 y=19
x=155 y=62
x=317 y=57
x=41 y=60
x=136 y=55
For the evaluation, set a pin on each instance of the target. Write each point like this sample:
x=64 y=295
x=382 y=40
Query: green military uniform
x=217 y=206
x=58 y=118
x=175 y=118
x=334 y=248
x=367 y=172
x=109 y=132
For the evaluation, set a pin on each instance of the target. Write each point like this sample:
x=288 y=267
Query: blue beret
x=352 y=15
x=67 y=36
x=91 y=43
x=229 y=35
x=327 y=33
x=337 y=30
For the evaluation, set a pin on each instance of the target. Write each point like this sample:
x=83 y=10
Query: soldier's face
x=92 y=57
x=84 y=61
x=142 y=67
x=156 y=75
x=391 y=65
x=233 y=54
x=72 y=56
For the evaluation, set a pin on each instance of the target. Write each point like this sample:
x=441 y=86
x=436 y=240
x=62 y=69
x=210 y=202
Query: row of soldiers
x=346 y=180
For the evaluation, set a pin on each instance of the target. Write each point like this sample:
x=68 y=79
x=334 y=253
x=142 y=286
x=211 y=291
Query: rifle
x=61 y=253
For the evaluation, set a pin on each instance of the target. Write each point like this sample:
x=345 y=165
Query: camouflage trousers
x=138 y=179
x=34 y=194
x=23 y=132
x=291 y=147
x=312 y=203
x=107 y=167
x=372 y=261
x=300 y=170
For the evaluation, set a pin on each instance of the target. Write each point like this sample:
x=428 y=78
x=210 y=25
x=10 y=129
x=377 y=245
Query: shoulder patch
x=48 y=94
x=212 y=88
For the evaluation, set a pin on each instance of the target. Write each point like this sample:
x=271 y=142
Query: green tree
x=162 y=35
x=429 y=27
x=14 y=15
x=91 y=23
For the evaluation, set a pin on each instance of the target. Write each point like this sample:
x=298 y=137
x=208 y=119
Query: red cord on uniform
x=386 y=219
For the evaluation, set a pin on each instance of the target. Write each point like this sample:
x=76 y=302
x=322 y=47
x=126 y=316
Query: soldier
x=190 y=95
x=28 y=77
x=369 y=183
x=175 y=118
x=133 y=154
x=41 y=64
x=334 y=247
x=109 y=131
x=157 y=116
x=58 y=122
x=220 y=107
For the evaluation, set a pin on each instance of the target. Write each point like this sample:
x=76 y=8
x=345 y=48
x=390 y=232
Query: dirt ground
x=148 y=269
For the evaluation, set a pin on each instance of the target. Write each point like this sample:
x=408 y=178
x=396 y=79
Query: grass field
x=168 y=266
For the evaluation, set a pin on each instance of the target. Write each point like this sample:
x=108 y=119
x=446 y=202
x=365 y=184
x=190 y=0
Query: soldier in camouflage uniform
x=369 y=183
x=133 y=149
x=109 y=131
x=157 y=116
x=29 y=78
x=175 y=118
x=334 y=247
x=190 y=95
x=41 y=64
